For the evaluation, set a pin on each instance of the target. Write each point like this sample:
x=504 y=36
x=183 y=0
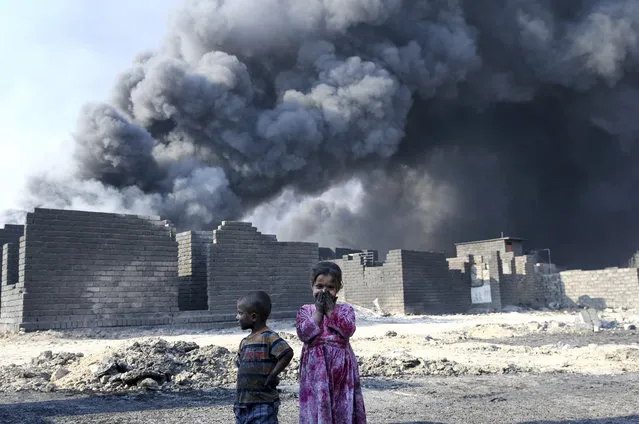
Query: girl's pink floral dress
x=330 y=390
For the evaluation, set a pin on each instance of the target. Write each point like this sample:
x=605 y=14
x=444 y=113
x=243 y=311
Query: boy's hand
x=271 y=381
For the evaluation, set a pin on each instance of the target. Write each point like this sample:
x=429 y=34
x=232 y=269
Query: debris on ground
x=399 y=348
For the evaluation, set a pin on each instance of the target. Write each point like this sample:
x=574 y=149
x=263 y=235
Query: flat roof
x=495 y=239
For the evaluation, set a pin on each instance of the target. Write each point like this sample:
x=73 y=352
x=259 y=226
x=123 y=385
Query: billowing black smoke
x=379 y=123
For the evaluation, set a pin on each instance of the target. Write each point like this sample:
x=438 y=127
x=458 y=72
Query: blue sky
x=56 y=56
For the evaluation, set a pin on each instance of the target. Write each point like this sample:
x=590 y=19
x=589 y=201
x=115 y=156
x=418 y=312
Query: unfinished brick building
x=69 y=269
x=407 y=282
x=236 y=258
x=82 y=269
x=498 y=272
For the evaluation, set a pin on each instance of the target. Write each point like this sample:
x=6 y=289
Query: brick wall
x=12 y=295
x=10 y=263
x=242 y=259
x=459 y=270
x=611 y=287
x=483 y=248
x=362 y=284
x=84 y=269
x=459 y=263
x=551 y=286
x=523 y=285
x=508 y=262
x=10 y=234
x=292 y=276
x=409 y=281
x=495 y=269
x=428 y=286
x=193 y=251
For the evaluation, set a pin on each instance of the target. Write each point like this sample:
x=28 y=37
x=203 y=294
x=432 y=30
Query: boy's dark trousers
x=259 y=413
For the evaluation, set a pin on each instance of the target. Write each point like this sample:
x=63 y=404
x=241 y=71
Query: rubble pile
x=161 y=365
x=40 y=374
x=489 y=348
x=157 y=364
x=151 y=365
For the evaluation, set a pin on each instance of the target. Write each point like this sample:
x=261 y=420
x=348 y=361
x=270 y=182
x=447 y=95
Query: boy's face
x=244 y=317
x=324 y=282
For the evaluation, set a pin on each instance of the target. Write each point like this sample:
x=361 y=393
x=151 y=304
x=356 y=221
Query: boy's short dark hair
x=258 y=302
x=328 y=268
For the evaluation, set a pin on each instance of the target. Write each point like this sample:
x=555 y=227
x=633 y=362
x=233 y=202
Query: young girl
x=330 y=390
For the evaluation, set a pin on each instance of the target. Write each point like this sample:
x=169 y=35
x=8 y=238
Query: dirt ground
x=495 y=399
x=517 y=367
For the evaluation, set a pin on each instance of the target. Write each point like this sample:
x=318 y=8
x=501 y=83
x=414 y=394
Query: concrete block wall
x=12 y=295
x=483 y=271
x=428 y=286
x=459 y=270
x=508 y=262
x=193 y=251
x=84 y=269
x=511 y=286
x=362 y=284
x=10 y=264
x=611 y=287
x=9 y=257
x=10 y=234
x=242 y=259
x=485 y=248
x=495 y=269
x=523 y=286
x=292 y=276
x=459 y=263
x=551 y=287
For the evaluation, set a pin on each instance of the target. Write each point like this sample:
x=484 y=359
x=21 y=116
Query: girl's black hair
x=328 y=268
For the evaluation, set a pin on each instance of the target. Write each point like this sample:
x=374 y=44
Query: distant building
x=487 y=247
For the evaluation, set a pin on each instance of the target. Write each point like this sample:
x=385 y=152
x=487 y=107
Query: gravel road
x=494 y=399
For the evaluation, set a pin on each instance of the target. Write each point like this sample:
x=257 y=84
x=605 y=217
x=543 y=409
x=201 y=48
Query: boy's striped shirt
x=256 y=358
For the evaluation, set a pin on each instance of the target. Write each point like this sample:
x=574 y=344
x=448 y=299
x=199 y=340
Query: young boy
x=262 y=356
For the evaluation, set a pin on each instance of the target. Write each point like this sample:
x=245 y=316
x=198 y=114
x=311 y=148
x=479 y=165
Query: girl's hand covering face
x=330 y=300
x=320 y=301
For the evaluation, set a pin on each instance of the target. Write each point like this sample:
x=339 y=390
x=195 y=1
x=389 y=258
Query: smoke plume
x=378 y=124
